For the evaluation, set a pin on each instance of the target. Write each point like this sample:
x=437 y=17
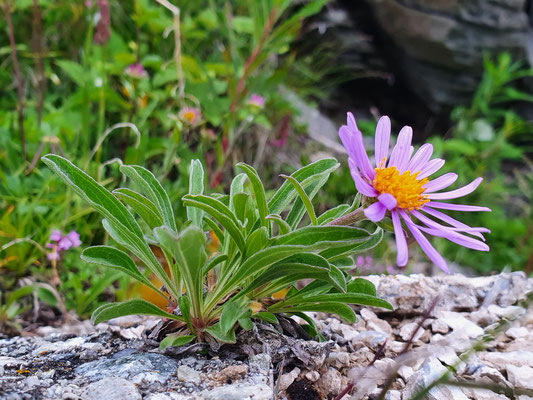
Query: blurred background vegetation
x=145 y=82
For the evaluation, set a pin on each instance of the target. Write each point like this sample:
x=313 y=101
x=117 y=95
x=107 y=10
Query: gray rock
x=430 y=370
x=129 y=366
x=260 y=362
x=239 y=392
x=439 y=45
x=112 y=388
x=188 y=374
x=458 y=322
x=287 y=379
x=520 y=376
x=330 y=382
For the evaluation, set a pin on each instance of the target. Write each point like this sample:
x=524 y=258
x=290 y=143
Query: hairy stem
x=350 y=218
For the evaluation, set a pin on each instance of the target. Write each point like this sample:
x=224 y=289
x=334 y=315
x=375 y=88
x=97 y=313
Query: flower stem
x=349 y=219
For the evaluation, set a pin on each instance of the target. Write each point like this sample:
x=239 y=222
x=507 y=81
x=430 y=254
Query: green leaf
x=173 y=340
x=283 y=227
x=256 y=241
x=74 y=70
x=129 y=307
x=245 y=323
x=237 y=186
x=360 y=285
x=231 y=312
x=94 y=193
x=140 y=248
x=266 y=316
x=298 y=209
x=224 y=337
x=304 y=198
x=332 y=213
x=119 y=222
x=337 y=235
x=370 y=242
x=242 y=24
x=188 y=250
x=196 y=186
x=17 y=294
x=342 y=310
x=153 y=189
x=142 y=206
x=302 y=263
x=350 y=298
x=118 y=260
x=220 y=212
x=305 y=175
x=213 y=262
x=184 y=305
x=259 y=191
x=240 y=204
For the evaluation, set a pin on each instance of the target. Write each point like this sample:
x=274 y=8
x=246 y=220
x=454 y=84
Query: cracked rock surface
x=114 y=360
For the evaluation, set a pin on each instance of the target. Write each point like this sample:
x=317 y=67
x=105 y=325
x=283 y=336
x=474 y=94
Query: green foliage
x=254 y=260
x=81 y=99
x=490 y=140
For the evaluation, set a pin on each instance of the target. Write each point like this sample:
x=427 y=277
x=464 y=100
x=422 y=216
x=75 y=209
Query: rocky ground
x=479 y=329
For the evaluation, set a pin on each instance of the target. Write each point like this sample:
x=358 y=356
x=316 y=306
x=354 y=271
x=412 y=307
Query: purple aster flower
x=399 y=185
x=256 y=100
x=136 y=71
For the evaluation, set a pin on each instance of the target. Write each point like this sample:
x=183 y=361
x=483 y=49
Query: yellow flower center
x=406 y=189
x=189 y=115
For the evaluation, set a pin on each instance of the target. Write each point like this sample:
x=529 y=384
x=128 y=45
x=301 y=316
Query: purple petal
x=465 y=190
x=449 y=233
x=455 y=207
x=453 y=222
x=353 y=142
x=420 y=158
x=430 y=168
x=424 y=244
x=457 y=238
x=351 y=122
x=401 y=243
x=375 y=212
x=387 y=200
x=440 y=183
x=74 y=238
x=55 y=236
x=362 y=186
x=382 y=141
x=400 y=153
x=64 y=244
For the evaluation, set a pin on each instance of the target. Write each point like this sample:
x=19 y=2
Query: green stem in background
x=101 y=98
x=350 y=218
x=16 y=69
x=82 y=138
x=177 y=46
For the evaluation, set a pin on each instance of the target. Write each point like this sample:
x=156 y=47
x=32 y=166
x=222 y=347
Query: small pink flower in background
x=399 y=185
x=256 y=100
x=59 y=242
x=189 y=115
x=136 y=71
x=55 y=236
